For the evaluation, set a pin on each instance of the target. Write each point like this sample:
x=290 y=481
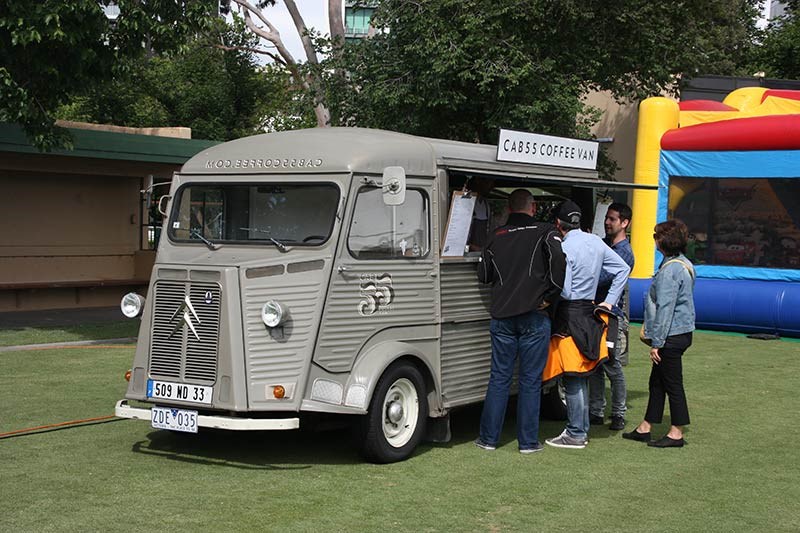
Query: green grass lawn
x=83 y=332
x=739 y=471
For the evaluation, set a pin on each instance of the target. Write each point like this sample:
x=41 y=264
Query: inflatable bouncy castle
x=731 y=172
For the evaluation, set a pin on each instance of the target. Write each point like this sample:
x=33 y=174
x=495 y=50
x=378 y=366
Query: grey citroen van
x=301 y=272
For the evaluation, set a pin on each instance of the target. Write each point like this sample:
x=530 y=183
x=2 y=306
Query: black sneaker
x=596 y=420
x=533 y=449
x=485 y=445
x=617 y=423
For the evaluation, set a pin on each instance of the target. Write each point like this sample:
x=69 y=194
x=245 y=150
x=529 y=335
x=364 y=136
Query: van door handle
x=345 y=272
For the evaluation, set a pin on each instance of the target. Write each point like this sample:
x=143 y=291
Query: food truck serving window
x=381 y=231
x=296 y=214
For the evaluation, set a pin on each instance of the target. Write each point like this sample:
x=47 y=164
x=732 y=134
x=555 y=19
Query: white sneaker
x=565 y=441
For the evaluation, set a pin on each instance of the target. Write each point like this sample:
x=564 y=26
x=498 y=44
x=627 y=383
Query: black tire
x=554 y=406
x=388 y=437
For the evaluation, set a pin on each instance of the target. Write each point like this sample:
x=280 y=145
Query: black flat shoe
x=667 y=442
x=635 y=435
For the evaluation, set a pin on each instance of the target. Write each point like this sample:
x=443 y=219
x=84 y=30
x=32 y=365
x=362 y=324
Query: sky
x=315 y=14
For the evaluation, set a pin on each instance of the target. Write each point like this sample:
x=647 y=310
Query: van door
x=384 y=283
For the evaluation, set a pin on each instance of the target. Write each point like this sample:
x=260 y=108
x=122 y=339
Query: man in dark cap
x=525 y=265
x=587 y=256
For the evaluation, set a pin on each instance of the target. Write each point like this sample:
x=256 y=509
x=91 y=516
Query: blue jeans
x=576 y=391
x=526 y=336
x=597 y=389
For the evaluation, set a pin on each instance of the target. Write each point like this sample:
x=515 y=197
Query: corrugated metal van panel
x=462 y=296
x=466 y=361
x=348 y=323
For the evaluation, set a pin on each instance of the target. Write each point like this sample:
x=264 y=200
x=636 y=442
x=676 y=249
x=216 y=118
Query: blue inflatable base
x=748 y=306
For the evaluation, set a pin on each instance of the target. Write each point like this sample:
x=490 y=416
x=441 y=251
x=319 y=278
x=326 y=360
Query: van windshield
x=244 y=213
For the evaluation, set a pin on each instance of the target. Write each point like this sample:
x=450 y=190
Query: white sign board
x=458 y=224
x=600 y=211
x=523 y=147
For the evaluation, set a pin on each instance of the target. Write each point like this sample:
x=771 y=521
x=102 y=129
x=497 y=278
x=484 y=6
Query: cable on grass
x=60 y=425
x=36 y=347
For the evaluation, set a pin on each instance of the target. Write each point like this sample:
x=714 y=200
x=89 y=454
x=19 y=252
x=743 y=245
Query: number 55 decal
x=376 y=293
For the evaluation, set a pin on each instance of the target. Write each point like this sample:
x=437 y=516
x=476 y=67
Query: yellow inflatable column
x=656 y=116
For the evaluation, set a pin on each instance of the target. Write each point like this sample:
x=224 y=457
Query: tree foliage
x=779 y=55
x=50 y=49
x=462 y=69
x=220 y=94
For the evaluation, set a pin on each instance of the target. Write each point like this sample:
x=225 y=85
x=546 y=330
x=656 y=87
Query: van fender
x=370 y=366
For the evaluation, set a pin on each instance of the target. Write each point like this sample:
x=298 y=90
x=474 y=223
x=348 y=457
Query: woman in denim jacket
x=668 y=325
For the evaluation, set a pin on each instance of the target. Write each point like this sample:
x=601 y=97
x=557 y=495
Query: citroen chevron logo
x=186 y=318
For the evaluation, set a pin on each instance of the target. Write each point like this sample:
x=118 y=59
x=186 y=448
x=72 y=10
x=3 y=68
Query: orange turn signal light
x=128 y=375
x=278 y=391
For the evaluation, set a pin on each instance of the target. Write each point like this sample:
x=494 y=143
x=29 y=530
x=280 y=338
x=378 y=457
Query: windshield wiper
x=278 y=244
x=211 y=245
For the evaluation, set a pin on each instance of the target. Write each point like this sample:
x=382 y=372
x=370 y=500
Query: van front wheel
x=398 y=412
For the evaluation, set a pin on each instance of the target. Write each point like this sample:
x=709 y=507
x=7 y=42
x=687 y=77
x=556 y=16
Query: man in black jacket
x=524 y=263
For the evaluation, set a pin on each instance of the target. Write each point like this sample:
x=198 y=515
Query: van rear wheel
x=398 y=412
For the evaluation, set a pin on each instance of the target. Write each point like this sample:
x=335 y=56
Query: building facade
x=77 y=225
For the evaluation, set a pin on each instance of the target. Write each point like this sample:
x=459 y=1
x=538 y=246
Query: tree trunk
x=335 y=20
x=272 y=35
x=320 y=109
x=302 y=31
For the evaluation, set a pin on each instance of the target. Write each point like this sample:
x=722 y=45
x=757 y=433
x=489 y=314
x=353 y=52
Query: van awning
x=557 y=177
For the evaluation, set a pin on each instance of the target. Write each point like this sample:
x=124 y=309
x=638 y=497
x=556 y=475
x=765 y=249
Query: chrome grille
x=176 y=353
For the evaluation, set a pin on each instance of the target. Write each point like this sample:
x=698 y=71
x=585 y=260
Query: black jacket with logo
x=524 y=263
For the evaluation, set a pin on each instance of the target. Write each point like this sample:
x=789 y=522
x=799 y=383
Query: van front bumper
x=123 y=410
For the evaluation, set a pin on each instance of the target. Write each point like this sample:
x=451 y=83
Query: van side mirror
x=394 y=185
x=162 y=204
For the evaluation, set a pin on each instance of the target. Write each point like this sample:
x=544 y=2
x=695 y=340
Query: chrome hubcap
x=395 y=412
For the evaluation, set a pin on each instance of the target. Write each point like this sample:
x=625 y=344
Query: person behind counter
x=481 y=226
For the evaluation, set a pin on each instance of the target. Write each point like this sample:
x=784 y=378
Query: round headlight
x=273 y=314
x=132 y=305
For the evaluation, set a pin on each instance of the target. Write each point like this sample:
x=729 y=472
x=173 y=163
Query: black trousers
x=666 y=378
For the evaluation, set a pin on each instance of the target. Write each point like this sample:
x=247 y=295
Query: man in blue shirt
x=587 y=256
x=618 y=217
